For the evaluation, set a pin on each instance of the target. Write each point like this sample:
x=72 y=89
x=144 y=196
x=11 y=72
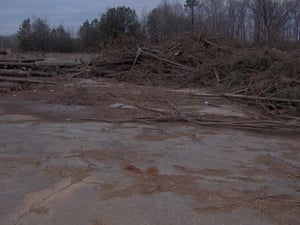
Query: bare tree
x=293 y=24
x=270 y=17
x=166 y=20
x=236 y=19
x=215 y=15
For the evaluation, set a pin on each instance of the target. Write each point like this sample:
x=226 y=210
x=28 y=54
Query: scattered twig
x=176 y=109
x=249 y=97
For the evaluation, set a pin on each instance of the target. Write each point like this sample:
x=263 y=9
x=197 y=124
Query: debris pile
x=21 y=73
x=267 y=77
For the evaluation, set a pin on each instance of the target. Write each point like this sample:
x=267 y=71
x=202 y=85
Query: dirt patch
x=151 y=171
x=217 y=201
x=132 y=169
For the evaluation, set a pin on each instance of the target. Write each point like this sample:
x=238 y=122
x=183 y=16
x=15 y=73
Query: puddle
x=122 y=106
x=220 y=110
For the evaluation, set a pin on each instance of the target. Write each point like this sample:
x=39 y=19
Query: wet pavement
x=63 y=171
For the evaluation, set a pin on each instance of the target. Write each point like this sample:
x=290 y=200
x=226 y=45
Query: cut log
x=262 y=98
x=17 y=65
x=113 y=63
x=22 y=73
x=32 y=60
x=166 y=61
x=36 y=73
x=14 y=73
x=249 y=97
x=209 y=43
x=22 y=60
x=38 y=64
x=27 y=80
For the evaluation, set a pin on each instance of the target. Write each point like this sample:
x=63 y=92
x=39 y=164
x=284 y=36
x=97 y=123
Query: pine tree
x=192 y=5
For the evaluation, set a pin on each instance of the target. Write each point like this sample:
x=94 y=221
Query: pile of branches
x=267 y=77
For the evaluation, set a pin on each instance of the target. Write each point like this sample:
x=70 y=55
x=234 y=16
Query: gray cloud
x=70 y=13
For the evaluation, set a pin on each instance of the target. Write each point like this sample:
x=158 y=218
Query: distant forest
x=274 y=23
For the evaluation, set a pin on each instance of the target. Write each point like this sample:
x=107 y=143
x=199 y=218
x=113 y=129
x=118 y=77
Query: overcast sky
x=70 y=13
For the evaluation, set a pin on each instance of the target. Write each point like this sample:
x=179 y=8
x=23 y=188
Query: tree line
x=37 y=35
x=259 y=22
x=274 y=23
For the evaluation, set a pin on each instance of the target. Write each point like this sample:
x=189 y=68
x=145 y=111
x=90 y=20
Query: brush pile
x=267 y=77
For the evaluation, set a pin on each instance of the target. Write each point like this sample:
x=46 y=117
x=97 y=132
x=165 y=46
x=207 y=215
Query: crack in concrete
x=43 y=201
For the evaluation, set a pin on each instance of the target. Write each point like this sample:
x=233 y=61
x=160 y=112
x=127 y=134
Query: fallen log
x=26 y=80
x=176 y=108
x=32 y=60
x=19 y=73
x=35 y=73
x=262 y=98
x=17 y=65
x=22 y=73
x=37 y=64
x=112 y=62
x=163 y=112
x=117 y=74
x=57 y=64
x=166 y=61
x=22 y=60
x=250 y=97
x=209 y=43
x=273 y=127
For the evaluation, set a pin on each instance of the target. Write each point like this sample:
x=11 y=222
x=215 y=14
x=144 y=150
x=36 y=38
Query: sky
x=70 y=13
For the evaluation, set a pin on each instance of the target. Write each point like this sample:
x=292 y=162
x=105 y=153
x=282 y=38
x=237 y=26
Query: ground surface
x=98 y=152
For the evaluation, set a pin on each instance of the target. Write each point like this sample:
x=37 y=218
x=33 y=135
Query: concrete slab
x=54 y=172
